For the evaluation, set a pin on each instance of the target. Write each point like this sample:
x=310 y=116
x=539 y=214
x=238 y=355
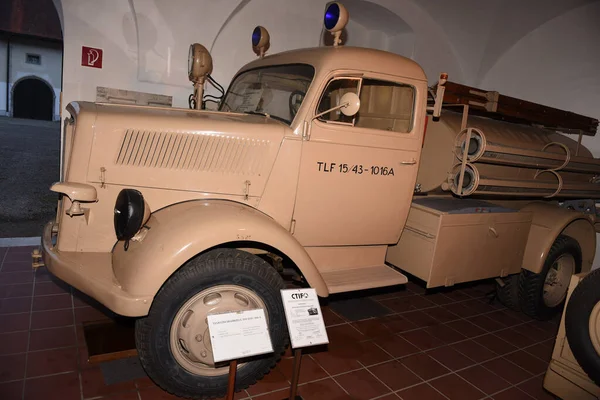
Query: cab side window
x=387 y=106
x=332 y=96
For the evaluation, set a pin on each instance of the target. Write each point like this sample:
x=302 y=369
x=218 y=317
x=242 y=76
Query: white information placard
x=304 y=317
x=239 y=334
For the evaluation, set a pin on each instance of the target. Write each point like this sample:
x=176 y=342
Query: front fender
x=548 y=222
x=178 y=233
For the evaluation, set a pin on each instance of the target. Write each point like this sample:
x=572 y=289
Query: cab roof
x=345 y=57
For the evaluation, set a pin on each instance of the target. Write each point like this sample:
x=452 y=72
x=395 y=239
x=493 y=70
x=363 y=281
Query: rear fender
x=180 y=232
x=548 y=222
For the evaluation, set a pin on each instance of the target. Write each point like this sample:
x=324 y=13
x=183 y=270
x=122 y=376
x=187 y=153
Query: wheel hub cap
x=557 y=280
x=189 y=334
x=595 y=327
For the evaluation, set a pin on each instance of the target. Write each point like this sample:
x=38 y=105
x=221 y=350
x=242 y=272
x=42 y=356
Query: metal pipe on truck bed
x=507 y=181
x=484 y=151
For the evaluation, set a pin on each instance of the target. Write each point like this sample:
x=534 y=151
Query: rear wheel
x=508 y=294
x=173 y=340
x=543 y=295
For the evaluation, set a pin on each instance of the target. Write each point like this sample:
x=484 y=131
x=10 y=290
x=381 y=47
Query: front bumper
x=92 y=274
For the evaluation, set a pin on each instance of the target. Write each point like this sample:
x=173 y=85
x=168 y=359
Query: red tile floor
x=451 y=345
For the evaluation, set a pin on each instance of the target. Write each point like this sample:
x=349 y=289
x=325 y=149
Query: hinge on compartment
x=102 y=177
x=293 y=226
x=247 y=189
x=306 y=131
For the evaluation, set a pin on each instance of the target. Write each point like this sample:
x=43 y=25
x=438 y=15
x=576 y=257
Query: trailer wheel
x=582 y=324
x=542 y=295
x=173 y=341
x=508 y=294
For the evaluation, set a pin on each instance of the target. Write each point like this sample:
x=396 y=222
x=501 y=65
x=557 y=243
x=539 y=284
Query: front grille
x=192 y=151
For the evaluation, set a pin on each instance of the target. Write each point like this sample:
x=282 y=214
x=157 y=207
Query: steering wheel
x=296 y=98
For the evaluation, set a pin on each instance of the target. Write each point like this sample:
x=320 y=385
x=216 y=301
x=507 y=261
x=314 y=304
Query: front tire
x=543 y=295
x=173 y=341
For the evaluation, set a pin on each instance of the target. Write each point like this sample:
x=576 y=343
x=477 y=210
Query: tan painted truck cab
x=310 y=164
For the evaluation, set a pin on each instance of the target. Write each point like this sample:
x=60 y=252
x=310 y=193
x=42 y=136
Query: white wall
x=3 y=56
x=556 y=64
x=50 y=69
x=145 y=42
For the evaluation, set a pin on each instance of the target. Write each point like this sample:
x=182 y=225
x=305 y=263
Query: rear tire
x=508 y=294
x=173 y=341
x=543 y=295
x=582 y=324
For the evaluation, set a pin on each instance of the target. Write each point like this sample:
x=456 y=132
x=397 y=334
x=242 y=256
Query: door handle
x=411 y=162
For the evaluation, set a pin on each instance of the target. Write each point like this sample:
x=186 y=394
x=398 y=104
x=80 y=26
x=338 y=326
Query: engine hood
x=180 y=149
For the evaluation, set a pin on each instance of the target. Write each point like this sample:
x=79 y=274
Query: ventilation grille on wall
x=192 y=151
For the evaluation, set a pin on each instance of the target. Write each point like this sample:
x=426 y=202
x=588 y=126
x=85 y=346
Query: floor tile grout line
x=3 y=258
x=39 y=351
x=486 y=332
x=38 y=311
x=37 y=295
x=32 y=378
x=467 y=338
x=376 y=377
x=329 y=375
x=516 y=387
x=78 y=351
x=28 y=336
x=450 y=371
x=392 y=312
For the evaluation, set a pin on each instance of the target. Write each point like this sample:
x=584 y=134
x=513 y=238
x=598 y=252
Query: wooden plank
x=109 y=340
x=516 y=110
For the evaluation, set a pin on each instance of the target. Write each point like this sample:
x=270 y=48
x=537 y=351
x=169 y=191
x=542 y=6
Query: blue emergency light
x=332 y=16
x=256 y=35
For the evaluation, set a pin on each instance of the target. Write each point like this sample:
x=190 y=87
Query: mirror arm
x=343 y=105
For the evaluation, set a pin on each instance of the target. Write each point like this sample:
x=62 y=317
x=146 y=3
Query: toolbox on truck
x=448 y=240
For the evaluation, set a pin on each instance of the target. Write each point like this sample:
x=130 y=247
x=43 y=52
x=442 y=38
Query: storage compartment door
x=479 y=246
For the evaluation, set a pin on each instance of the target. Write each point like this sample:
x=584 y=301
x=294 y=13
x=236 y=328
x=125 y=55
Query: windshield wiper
x=285 y=121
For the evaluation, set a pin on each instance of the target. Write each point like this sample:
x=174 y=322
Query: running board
x=346 y=280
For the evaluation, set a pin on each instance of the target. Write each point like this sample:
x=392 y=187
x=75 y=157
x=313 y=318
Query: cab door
x=357 y=174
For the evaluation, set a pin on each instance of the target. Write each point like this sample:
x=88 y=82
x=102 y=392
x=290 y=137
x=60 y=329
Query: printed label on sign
x=239 y=334
x=304 y=317
x=91 y=57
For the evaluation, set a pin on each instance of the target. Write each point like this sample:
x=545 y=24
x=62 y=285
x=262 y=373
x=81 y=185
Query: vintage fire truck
x=338 y=163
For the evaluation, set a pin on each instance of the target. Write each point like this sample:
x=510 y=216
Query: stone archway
x=32 y=98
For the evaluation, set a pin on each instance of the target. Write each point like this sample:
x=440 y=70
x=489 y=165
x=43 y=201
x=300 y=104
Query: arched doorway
x=33 y=98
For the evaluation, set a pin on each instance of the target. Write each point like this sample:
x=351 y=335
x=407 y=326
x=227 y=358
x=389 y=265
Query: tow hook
x=36 y=259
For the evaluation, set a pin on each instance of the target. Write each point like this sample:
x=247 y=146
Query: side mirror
x=349 y=105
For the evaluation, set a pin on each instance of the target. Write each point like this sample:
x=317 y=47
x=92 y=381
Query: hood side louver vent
x=192 y=151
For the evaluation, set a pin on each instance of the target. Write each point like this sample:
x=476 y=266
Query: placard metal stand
x=231 y=383
x=306 y=326
x=237 y=335
x=296 y=375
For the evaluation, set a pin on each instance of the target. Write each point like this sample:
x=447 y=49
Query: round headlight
x=131 y=213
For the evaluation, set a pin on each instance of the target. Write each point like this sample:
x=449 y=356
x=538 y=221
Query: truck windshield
x=277 y=91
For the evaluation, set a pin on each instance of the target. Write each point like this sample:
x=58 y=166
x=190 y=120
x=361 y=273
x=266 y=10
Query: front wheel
x=543 y=295
x=173 y=340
